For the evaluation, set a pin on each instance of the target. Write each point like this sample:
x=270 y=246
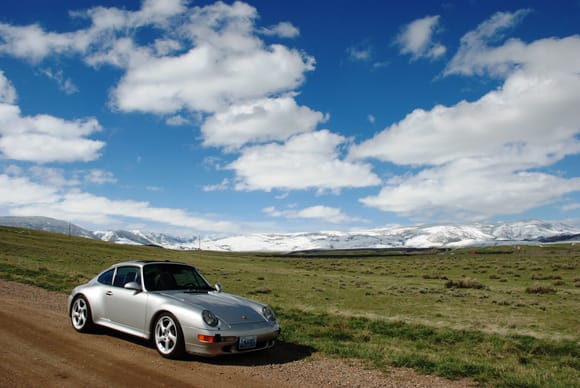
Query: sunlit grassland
x=516 y=323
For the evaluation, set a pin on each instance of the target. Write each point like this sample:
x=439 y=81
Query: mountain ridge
x=408 y=237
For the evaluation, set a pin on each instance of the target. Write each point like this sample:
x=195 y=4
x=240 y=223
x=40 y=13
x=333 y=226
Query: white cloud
x=481 y=158
x=16 y=191
x=24 y=197
x=223 y=185
x=530 y=121
x=32 y=43
x=318 y=212
x=263 y=120
x=225 y=64
x=44 y=138
x=64 y=84
x=177 y=120
x=416 y=39
x=7 y=91
x=209 y=79
x=360 y=52
x=475 y=56
x=283 y=30
x=213 y=65
x=469 y=190
x=54 y=177
x=214 y=58
x=99 y=177
x=309 y=160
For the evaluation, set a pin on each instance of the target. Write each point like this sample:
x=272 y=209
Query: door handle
x=109 y=293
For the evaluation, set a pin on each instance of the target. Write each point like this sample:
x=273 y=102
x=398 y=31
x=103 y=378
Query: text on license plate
x=248 y=342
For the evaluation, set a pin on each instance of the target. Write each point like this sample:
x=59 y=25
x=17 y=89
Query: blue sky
x=198 y=117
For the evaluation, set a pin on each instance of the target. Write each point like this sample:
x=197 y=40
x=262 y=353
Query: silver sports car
x=173 y=305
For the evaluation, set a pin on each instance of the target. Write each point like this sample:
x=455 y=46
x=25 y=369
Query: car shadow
x=282 y=353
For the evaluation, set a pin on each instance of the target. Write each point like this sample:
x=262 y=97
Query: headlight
x=268 y=313
x=209 y=318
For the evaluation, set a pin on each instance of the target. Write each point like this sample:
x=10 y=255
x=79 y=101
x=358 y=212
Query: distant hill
x=47 y=224
x=409 y=237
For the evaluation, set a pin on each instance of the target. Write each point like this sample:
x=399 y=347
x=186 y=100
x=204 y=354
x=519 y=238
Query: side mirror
x=132 y=286
x=218 y=287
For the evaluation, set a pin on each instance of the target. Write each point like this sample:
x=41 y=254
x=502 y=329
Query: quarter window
x=106 y=277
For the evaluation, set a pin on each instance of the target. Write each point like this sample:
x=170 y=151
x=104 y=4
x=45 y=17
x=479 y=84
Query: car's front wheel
x=80 y=315
x=169 y=336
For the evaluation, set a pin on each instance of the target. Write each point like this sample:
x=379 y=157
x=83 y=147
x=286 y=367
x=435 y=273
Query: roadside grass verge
x=454 y=354
x=503 y=317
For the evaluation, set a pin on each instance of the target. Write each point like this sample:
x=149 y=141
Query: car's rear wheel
x=169 y=336
x=80 y=315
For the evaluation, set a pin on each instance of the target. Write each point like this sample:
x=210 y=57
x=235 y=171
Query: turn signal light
x=206 y=338
x=210 y=338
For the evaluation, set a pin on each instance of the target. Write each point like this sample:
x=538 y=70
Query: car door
x=126 y=308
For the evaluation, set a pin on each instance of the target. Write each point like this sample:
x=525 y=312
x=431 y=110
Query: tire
x=81 y=316
x=168 y=336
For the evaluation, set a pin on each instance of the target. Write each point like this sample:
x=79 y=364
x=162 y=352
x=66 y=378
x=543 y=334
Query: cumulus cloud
x=481 y=158
x=309 y=160
x=318 y=212
x=33 y=44
x=45 y=138
x=416 y=39
x=264 y=120
x=214 y=59
x=209 y=79
x=225 y=64
x=469 y=189
x=529 y=121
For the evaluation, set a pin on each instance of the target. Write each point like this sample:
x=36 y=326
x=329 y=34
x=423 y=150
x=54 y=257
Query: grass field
x=504 y=316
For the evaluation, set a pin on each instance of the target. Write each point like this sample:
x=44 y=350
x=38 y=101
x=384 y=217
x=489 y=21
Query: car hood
x=230 y=309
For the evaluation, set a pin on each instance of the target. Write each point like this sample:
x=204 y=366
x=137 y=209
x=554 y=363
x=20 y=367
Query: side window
x=125 y=275
x=106 y=277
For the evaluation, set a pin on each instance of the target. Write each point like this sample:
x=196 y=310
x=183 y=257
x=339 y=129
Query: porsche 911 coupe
x=174 y=306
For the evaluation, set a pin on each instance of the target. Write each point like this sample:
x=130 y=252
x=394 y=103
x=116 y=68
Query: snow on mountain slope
x=425 y=236
x=136 y=237
x=434 y=236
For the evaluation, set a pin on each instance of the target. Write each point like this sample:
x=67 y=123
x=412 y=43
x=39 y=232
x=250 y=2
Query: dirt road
x=38 y=347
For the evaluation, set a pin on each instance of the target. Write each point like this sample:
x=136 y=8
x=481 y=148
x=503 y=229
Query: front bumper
x=227 y=341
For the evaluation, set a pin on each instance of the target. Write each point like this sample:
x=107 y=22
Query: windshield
x=160 y=277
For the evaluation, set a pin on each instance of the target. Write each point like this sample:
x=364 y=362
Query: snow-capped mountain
x=424 y=236
x=432 y=236
x=136 y=237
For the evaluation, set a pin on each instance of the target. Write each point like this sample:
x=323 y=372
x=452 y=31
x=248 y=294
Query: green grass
x=455 y=314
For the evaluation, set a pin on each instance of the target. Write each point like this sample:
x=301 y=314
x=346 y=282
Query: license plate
x=247 y=342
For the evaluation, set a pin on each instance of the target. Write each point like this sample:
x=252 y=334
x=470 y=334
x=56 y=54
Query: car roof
x=142 y=263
